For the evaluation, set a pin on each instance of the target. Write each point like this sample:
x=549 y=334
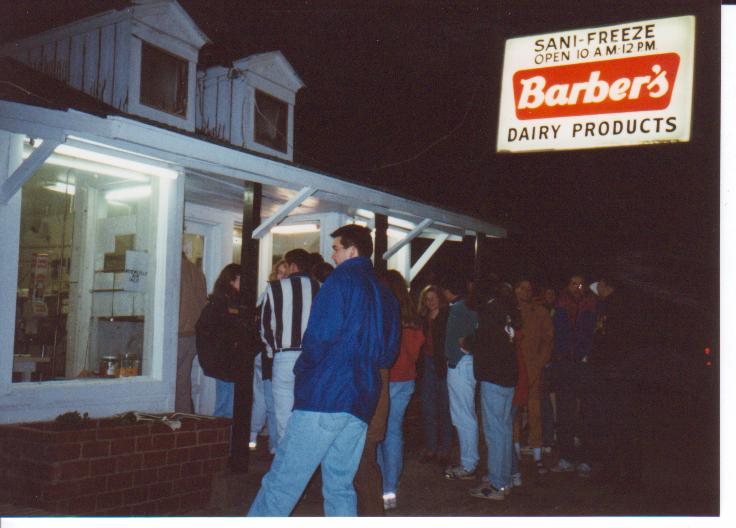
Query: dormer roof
x=168 y=16
x=271 y=65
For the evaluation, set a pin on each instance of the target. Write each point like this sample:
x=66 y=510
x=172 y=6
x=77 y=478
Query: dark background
x=403 y=95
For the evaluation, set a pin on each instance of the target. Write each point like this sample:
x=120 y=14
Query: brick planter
x=101 y=467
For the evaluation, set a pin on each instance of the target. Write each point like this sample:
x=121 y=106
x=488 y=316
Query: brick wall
x=101 y=467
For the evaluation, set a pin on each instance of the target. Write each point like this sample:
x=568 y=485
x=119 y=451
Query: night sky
x=403 y=95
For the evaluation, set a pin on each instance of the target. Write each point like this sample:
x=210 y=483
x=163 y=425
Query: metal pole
x=478 y=269
x=381 y=243
x=243 y=393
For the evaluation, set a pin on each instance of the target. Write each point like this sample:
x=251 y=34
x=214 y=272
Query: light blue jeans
x=498 y=430
x=514 y=458
x=262 y=410
x=461 y=387
x=334 y=440
x=282 y=388
x=224 y=391
x=390 y=452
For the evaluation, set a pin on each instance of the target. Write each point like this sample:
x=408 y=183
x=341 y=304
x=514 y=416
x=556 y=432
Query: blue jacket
x=574 y=323
x=353 y=331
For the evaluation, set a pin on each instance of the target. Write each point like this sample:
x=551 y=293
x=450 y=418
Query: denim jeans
x=282 y=388
x=514 y=458
x=497 y=427
x=435 y=410
x=390 y=452
x=334 y=441
x=224 y=398
x=258 y=413
x=262 y=410
x=461 y=387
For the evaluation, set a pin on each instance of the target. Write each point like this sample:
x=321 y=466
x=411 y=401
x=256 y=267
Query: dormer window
x=164 y=80
x=271 y=119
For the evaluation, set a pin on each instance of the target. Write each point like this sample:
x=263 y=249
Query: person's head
x=452 y=286
x=430 y=300
x=297 y=260
x=321 y=271
x=484 y=289
x=351 y=241
x=606 y=286
x=227 y=285
x=576 y=286
x=280 y=271
x=396 y=284
x=549 y=295
x=524 y=291
x=314 y=259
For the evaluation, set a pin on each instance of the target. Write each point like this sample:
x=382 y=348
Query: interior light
x=128 y=193
x=93 y=161
x=65 y=188
x=395 y=233
x=294 y=229
x=365 y=213
x=135 y=166
x=398 y=222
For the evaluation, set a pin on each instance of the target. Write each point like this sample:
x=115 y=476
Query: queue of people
x=343 y=350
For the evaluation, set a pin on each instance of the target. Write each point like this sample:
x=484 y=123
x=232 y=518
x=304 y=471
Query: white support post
x=283 y=212
x=424 y=224
x=430 y=251
x=26 y=169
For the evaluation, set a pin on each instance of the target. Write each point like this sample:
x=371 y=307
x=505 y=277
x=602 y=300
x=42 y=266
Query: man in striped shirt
x=284 y=315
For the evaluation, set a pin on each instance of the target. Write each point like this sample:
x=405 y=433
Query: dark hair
x=321 y=271
x=355 y=235
x=314 y=259
x=396 y=284
x=223 y=290
x=299 y=257
x=490 y=287
x=610 y=281
x=455 y=283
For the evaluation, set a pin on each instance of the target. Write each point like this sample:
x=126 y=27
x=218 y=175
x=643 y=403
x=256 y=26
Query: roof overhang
x=188 y=152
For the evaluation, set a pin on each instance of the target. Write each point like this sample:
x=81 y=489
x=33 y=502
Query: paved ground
x=680 y=443
x=681 y=474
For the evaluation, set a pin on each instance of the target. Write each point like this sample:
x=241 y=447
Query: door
x=197 y=245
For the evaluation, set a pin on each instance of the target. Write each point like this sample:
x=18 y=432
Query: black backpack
x=226 y=345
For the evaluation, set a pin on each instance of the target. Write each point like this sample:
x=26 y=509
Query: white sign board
x=627 y=84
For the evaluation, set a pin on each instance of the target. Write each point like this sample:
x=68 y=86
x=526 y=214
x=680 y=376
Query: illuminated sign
x=627 y=84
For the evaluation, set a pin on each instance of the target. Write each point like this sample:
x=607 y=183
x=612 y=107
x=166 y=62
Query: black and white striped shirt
x=285 y=312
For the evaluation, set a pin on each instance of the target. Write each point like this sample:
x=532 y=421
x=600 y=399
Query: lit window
x=83 y=275
x=271 y=121
x=164 y=80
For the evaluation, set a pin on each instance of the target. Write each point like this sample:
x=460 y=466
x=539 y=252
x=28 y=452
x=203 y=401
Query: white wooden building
x=96 y=190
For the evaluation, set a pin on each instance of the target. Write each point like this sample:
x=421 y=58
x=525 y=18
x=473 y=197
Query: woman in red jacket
x=401 y=386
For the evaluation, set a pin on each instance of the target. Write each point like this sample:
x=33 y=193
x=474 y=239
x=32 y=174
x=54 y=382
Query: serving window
x=83 y=284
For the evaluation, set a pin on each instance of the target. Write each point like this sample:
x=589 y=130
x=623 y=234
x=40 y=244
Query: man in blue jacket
x=353 y=331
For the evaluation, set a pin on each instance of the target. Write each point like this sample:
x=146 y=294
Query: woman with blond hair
x=435 y=399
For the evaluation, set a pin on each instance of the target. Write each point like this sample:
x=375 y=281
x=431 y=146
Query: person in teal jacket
x=353 y=331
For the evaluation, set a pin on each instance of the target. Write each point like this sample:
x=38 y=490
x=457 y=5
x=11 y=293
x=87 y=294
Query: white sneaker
x=389 y=501
x=516 y=480
x=583 y=470
x=562 y=466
